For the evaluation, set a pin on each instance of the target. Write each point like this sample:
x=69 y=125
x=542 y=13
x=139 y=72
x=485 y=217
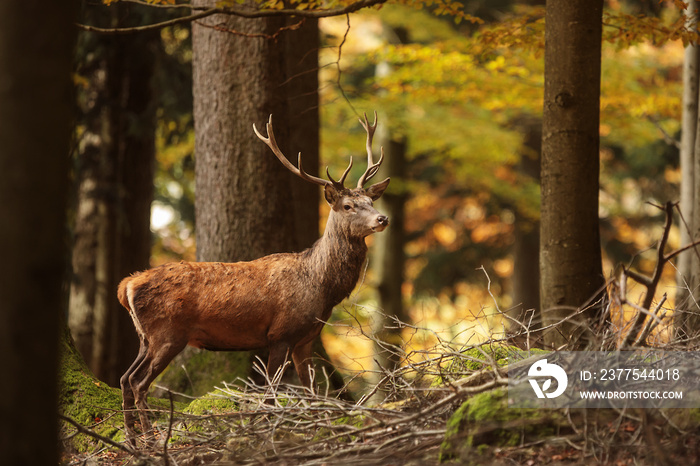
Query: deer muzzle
x=380 y=223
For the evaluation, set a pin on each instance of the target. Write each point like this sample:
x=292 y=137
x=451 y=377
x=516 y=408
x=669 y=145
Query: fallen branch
x=101 y=438
x=637 y=329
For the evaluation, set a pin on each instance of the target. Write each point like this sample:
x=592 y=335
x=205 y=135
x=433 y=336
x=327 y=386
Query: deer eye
x=347 y=207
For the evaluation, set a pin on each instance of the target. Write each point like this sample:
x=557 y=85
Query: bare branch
x=274 y=36
x=655 y=320
x=237 y=11
x=670 y=140
x=150 y=27
x=101 y=438
x=650 y=283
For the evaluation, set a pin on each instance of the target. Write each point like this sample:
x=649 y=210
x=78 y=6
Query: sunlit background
x=458 y=95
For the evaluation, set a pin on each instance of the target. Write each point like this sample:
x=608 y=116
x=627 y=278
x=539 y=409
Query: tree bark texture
x=243 y=206
x=36 y=45
x=388 y=250
x=690 y=311
x=247 y=204
x=687 y=263
x=115 y=167
x=526 y=247
x=301 y=89
x=570 y=256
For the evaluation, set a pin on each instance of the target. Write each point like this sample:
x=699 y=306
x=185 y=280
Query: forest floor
x=453 y=423
x=451 y=407
x=420 y=450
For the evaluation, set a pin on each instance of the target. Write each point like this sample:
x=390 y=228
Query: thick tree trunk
x=247 y=204
x=115 y=163
x=36 y=45
x=687 y=276
x=243 y=204
x=301 y=89
x=570 y=255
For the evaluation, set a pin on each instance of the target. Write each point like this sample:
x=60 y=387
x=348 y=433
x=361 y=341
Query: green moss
x=475 y=359
x=216 y=402
x=454 y=424
x=91 y=402
x=485 y=419
x=86 y=400
x=355 y=420
x=195 y=372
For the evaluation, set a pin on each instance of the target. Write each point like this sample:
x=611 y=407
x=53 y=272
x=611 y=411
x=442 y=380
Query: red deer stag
x=279 y=302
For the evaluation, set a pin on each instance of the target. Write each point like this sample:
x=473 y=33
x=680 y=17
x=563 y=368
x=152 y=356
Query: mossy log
x=486 y=420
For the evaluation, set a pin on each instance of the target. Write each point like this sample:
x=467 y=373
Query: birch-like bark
x=687 y=265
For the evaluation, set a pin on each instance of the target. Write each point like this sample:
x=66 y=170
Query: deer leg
x=275 y=361
x=275 y=369
x=153 y=363
x=302 y=362
x=128 y=392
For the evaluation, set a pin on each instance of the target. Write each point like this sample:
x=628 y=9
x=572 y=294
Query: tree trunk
x=243 y=203
x=36 y=45
x=115 y=160
x=388 y=254
x=570 y=256
x=388 y=251
x=691 y=321
x=686 y=279
x=247 y=204
x=83 y=398
x=526 y=248
x=301 y=88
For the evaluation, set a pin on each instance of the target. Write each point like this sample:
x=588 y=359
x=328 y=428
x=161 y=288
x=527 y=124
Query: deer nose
x=383 y=220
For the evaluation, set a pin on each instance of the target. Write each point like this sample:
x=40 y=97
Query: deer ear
x=376 y=190
x=331 y=194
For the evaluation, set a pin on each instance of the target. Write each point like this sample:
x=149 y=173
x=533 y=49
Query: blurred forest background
x=458 y=88
x=515 y=221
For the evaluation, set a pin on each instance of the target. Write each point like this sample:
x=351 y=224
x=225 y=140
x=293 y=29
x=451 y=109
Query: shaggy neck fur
x=336 y=259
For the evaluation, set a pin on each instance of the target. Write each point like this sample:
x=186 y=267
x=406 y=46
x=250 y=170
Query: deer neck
x=336 y=260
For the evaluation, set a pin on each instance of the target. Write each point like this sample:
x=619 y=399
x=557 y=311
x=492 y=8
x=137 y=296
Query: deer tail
x=122 y=293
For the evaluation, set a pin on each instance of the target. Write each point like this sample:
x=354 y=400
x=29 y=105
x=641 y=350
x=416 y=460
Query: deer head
x=352 y=204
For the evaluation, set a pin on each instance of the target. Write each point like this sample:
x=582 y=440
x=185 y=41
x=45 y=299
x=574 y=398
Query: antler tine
x=370 y=134
x=341 y=183
x=372 y=168
x=272 y=144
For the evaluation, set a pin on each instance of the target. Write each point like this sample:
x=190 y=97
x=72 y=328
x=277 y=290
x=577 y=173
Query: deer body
x=245 y=305
x=280 y=301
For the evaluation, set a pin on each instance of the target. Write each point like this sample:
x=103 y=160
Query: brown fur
x=278 y=302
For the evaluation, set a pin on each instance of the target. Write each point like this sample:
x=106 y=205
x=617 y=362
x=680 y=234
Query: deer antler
x=272 y=144
x=372 y=168
x=341 y=183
